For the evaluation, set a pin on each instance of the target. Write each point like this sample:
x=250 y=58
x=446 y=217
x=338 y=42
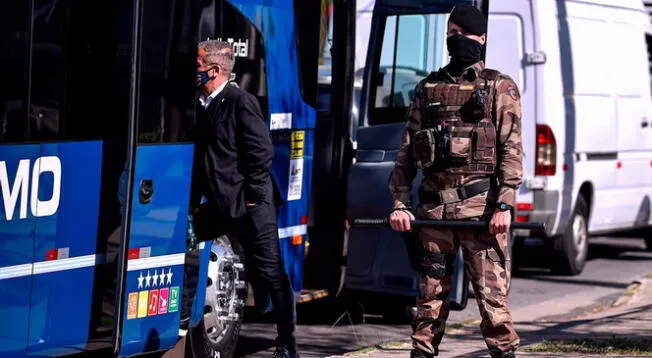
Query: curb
x=632 y=291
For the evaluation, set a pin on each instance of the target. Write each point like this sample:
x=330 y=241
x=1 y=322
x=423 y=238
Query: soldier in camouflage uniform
x=463 y=130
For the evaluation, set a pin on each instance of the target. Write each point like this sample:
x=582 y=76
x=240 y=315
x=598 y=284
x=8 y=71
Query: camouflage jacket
x=509 y=170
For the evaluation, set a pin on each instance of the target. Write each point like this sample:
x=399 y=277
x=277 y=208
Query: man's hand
x=500 y=222
x=400 y=220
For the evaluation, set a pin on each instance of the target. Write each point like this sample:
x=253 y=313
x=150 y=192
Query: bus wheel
x=572 y=248
x=217 y=333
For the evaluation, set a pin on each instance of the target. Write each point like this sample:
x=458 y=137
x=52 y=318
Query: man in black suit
x=235 y=154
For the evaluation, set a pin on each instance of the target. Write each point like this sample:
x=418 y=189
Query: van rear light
x=546 y=151
x=522 y=218
x=524 y=206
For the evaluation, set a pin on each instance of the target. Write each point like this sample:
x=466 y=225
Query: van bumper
x=545 y=211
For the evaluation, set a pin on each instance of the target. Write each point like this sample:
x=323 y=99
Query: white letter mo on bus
x=20 y=187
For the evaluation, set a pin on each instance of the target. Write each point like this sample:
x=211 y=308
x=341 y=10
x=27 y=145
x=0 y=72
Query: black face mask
x=463 y=50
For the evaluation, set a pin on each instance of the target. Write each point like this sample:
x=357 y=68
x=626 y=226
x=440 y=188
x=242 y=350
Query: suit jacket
x=234 y=155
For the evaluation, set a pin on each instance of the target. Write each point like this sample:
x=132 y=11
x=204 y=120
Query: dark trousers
x=257 y=232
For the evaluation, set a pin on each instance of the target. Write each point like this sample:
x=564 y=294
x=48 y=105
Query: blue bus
x=97 y=105
x=97 y=109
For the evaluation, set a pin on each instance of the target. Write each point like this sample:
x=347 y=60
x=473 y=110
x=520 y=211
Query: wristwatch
x=504 y=206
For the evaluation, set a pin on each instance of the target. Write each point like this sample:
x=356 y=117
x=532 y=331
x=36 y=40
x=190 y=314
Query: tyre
x=217 y=333
x=572 y=247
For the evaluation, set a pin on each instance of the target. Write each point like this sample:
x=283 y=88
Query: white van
x=583 y=68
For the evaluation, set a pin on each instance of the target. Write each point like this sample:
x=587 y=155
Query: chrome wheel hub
x=222 y=305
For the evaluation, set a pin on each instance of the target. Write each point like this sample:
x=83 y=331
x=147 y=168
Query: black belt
x=455 y=194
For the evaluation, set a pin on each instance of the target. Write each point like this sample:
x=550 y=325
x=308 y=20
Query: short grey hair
x=218 y=52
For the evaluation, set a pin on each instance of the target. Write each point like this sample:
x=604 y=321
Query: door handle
x=645 y=122
x=146 y=191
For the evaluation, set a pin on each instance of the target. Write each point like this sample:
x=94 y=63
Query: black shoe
x=499 y=354
x=417 y=353
x=282 y=352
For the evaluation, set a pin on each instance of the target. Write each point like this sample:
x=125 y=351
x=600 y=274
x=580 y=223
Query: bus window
x=79 y=87
x=412 y=47
x=166 y=100
x=306 y=20
x=14 y=42
x=225 y=22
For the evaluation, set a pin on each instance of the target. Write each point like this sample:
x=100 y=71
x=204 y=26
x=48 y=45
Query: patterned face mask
x=203 y=77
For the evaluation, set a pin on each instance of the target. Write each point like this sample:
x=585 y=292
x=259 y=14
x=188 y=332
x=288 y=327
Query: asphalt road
x=612 y=264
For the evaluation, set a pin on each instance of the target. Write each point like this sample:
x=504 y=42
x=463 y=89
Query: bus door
x=63 y=129
x=16 y=229
x=406 y=44
x=157 y=179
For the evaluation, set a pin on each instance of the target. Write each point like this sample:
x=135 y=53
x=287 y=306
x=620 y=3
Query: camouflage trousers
x=489 y=274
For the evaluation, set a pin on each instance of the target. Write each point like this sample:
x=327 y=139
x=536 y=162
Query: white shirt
x=206 y=101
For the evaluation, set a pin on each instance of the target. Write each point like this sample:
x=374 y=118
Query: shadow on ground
x=535 y=332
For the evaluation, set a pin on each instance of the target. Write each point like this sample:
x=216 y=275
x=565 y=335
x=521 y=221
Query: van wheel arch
x=586 y=191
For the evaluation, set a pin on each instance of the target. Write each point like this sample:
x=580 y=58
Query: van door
x=159 y=173
x=406 y=45
x=634 y=119
x=516 y=56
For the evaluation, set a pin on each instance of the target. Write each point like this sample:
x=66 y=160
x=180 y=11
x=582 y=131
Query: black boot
x=282 y=352
x=499 y=354
x=417 y=353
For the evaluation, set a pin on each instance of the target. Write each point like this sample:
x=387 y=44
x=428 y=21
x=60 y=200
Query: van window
x=648 y=39
x=412 y=47
x=324 y=69
x=508 y=56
